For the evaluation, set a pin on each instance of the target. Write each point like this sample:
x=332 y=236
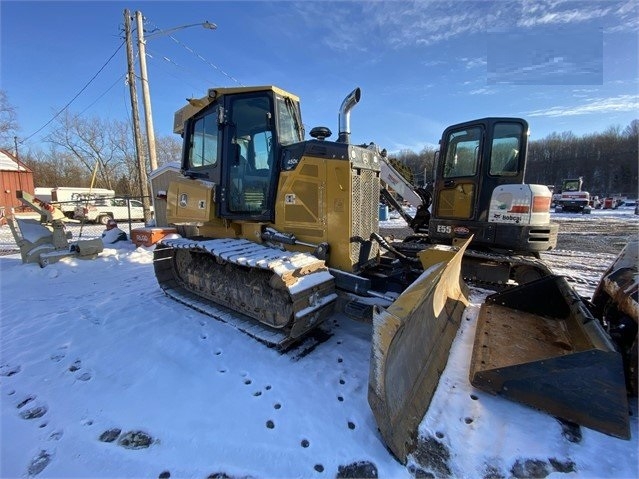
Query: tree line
x=81 y=149
x=607 y=161
x=85 y=151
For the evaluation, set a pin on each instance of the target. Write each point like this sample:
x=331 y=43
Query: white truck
x=102 y=210
x=67 y=198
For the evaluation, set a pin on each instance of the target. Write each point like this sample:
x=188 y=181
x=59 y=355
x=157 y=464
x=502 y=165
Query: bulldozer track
x=272 y=295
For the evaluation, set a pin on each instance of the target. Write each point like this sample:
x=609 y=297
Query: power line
x=190 y=72
x=120 y=78
x=190 y=50
x=76 y=96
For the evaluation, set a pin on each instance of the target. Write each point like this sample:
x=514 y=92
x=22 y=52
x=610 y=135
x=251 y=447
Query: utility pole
x=136 y=118
x=146 y=96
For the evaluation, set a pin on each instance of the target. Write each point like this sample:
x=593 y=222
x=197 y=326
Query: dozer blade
x=538 y=344
x=410 y=346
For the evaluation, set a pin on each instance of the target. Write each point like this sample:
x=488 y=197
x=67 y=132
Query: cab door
x=457 y=179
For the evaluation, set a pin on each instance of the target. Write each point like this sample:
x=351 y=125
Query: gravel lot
x=596 y=236
x=602 y=231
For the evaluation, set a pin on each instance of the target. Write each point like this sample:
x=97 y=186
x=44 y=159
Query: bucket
x=538 y=344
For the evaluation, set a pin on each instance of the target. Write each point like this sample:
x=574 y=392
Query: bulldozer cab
x=235 y=142
x=476 y=157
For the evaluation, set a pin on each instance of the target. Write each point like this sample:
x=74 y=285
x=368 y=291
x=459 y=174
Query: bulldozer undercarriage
x=288 y=293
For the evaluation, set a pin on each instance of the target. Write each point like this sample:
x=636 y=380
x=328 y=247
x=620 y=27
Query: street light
x=144 y=79
x=206 y=24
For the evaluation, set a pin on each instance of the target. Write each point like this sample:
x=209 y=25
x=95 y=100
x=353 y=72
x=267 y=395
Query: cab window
x=505 y=151
x=204 y=141
x=289 y=121
x=462 y=155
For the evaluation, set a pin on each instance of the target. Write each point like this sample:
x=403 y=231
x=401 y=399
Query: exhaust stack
x=345 y=115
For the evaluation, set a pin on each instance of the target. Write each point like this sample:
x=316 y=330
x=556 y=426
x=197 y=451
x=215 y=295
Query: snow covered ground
x=102 y=375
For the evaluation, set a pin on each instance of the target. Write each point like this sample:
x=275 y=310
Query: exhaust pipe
x=345 y=115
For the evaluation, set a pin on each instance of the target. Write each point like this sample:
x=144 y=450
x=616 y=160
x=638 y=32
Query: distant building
x=14 y=176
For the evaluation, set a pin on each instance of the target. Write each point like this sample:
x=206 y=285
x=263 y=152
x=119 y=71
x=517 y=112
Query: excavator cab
x=477 y=157
x=479 y=189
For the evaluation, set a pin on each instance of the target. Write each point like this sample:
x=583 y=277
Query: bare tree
x=632 y=130
x=607 y=161
x=169 y=149
x=93 y=142
x=56 y=168
x=8 y=122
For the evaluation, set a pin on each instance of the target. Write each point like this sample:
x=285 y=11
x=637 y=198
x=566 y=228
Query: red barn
x=14 y=176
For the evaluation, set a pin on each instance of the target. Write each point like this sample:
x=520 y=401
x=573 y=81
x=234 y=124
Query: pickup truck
x=101 y=211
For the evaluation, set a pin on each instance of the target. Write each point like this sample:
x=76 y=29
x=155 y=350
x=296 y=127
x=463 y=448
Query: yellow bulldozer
x=279 y=232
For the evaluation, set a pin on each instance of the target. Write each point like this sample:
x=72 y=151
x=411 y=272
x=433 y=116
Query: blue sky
x=564 y=66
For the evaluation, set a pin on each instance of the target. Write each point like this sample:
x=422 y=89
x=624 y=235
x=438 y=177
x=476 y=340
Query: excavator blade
x=410 y=346
x=539 y=345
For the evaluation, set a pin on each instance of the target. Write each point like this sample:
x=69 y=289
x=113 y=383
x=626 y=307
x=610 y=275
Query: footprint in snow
x=128 y=440
x=77 y=364
x=35 y=409
x=84 y=375
x=110 y=435
x=25 y=401
x=88 y=315
x=59 y=354
x=34 y=412
x=9 y=370
x=39 y=462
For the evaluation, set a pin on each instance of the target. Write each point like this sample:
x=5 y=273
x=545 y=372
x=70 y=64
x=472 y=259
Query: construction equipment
x=538 y=344
x=573 y=198
x=573 y=358
x=478 y=190
x=283 y=231
x=616 y=304
x=45 y=241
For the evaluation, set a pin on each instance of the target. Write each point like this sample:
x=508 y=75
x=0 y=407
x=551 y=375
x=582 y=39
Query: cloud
x=592 y=106
x=474 y=63
x=483 y=91
x=371 y=26
x=612 y=15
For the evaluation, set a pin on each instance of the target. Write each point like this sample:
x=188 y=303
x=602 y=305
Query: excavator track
x=487 y=269
x=272 y=295
x=493 y=270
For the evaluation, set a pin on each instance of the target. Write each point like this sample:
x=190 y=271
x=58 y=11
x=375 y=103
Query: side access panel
x=410 y=347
